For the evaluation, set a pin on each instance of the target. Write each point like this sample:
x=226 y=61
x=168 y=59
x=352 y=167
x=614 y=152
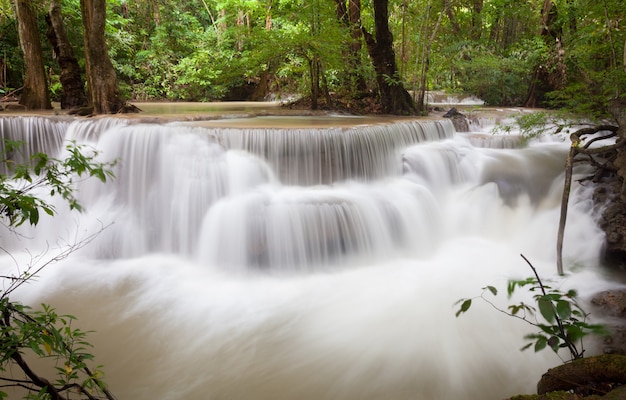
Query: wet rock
x=458 y=119
x=588 y=376
x=453 y=112
x=612 y=303
x=548 y=396
x=612 y=222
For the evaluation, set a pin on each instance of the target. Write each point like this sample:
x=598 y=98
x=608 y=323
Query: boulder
x=597 y=375
x=459 y=120
x=611 y=303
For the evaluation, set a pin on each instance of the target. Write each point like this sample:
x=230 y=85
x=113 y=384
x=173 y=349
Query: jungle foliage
x=560 y=53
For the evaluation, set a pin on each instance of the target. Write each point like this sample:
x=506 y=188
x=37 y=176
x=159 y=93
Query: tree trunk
x=104 y=93
x=349 y=14
x=477 y=20
x=551 y=76
x=314 y=68
x=421 y=105
x=354 y=58
x=456 y=28
x=393 y=96
x=35 y=95
x=73 y=89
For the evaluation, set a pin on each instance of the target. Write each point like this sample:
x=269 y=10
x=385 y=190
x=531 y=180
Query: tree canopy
x=554 y=53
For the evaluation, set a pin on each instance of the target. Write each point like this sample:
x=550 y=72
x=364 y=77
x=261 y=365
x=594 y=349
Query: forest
x=361 y=56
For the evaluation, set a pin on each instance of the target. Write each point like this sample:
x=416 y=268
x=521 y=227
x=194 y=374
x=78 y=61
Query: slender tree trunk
x=35 y=95
x=314 y=65
x=552 y=76
x=268 y=15
x=393 y=96
x=403 y=40
x=314 y=68
x=477 y=20
x=456 y=29
x=349 y=14
x=354 y=58
x=73 y=88
x=104 y=93
x=425 y=61
x=240 y=22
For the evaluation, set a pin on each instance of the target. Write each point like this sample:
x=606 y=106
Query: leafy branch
x=561 y=321
x=45 y=333
x=19 y=203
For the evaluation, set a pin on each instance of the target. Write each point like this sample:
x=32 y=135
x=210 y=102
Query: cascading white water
x=308 y=263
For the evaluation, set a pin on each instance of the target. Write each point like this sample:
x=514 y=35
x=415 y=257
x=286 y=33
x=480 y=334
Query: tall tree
x=349 y=14
x=476 y=23
x=393 y=96
x=551 y=75
x=35 y=95
x=73 y=88
x=104 y=94
x=428 y=37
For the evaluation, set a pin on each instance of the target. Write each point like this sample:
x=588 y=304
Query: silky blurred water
x=312 y=262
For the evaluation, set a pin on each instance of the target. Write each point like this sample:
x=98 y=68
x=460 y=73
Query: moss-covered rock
x=591 y=375
x=560 y=395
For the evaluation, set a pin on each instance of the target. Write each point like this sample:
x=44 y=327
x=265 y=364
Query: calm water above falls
x=305 y=263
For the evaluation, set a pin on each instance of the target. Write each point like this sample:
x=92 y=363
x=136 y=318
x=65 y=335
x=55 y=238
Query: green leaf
x=541 y=343
x=526 y=346
x=549 y=329
x=563 y=309
x=571 y=293
x=492 y=289
x=510 y=288
x=35 y=348
x=513 y=309
x=33 y=216
x=546 y=308
x=574 y=333
x=464 y=307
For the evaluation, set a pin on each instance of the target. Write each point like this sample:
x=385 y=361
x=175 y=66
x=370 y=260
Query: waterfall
x=304 y=262
x=33 y=135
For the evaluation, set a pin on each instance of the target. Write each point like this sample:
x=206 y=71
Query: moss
x=548 y=396
x=585 y=375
